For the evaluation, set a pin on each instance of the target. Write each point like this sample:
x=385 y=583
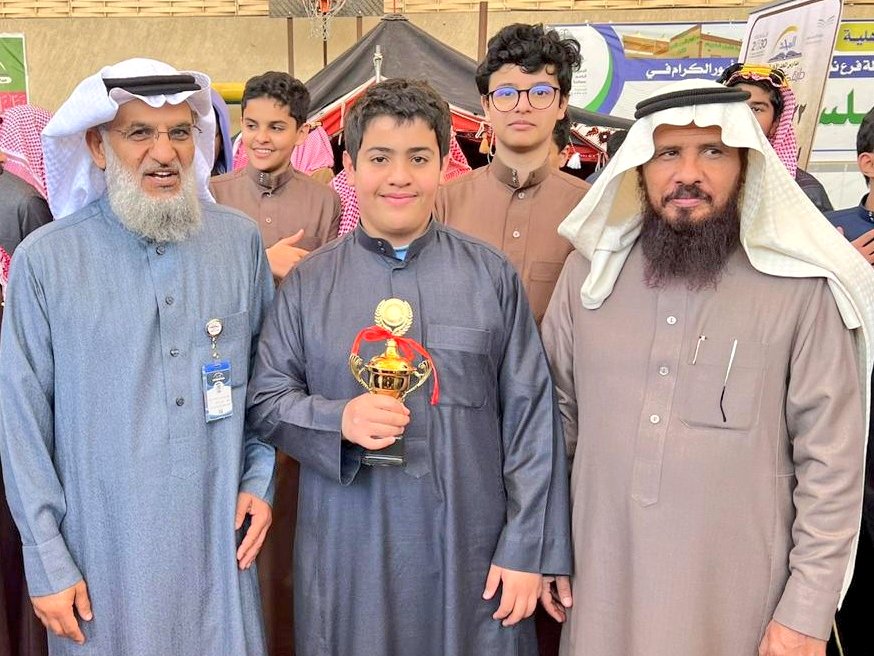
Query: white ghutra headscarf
x=72 y=178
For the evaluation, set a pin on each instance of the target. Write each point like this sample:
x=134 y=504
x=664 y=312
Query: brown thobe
x=519 y=217
x=692 y=528
x=281 y=205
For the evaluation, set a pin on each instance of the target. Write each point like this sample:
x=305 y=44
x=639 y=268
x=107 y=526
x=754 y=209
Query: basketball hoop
x=321 y=13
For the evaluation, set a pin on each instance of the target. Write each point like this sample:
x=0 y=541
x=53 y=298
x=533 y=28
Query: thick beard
x=161 y=220
x=694 y=252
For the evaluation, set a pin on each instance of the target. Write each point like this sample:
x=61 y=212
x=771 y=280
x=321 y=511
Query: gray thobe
x=111 y=471
x=693 y=528
x=392 y=560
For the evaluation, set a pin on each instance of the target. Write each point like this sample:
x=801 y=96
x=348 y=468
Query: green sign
x=13 y=71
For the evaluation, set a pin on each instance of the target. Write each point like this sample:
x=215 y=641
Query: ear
x=349 y=167
x=562 y=107
x=866 y=164
x=302 y=133
x=94 y=141
x=484 y=101
x=564 y=155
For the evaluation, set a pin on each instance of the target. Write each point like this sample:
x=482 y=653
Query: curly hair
x=532 y=49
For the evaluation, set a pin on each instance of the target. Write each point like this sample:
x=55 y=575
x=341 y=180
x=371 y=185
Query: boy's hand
x=284 y=255
x=518 y=596
x=556 y=597
x=374 y=421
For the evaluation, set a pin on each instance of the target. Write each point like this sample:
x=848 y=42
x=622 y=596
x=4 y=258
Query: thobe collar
x=382 y=247
x=268 y=183
x=510 y=177
x=864 y=212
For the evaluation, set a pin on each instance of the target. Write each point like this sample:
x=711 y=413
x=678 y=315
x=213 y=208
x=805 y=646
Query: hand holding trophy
x=393 y=372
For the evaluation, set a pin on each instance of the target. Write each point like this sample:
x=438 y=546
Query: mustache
x=147 y=169
x=687 y=191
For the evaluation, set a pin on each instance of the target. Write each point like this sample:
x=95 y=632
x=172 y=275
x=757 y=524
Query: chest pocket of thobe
x=233 y=345
x=700 y=384
x=461 y=357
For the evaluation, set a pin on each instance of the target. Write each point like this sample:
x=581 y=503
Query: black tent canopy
x=408 y=51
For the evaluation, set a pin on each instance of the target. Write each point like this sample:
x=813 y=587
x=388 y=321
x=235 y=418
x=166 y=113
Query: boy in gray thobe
x=408 y=559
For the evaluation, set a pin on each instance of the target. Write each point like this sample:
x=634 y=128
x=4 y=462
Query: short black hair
x=615 y=141
x=282 y=88
x=532 y=49
x=561 y=133
x=865 y=137
x=403 y=100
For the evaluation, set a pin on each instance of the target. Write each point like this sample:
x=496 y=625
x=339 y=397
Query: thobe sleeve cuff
x=518 y=553
x=49 y=567
x=557 y=558
x=807 y=610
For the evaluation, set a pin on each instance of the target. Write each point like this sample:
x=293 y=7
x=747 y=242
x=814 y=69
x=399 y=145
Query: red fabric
x=20 y=140
x=5 y=260
x=408 y=347
x=349 y=212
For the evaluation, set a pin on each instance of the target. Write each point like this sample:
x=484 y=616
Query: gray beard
x=171 y=219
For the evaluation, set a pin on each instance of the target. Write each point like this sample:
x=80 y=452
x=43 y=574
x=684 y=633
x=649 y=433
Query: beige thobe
x=692 y=530
x=519 y=217
x=281 y=205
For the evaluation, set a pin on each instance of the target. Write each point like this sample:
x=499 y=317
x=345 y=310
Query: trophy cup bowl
x=393 y=375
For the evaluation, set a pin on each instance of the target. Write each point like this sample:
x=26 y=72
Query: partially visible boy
x=294 y=213
x=857 y=225
x=516 y=202
x=409 y=559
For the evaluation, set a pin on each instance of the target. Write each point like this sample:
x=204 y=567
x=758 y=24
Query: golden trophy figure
x=393 y=371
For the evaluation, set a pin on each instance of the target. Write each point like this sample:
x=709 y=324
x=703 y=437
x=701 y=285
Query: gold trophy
x=392 y=372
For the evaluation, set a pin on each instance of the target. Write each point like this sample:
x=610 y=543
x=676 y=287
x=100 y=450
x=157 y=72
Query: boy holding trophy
x=433 y=508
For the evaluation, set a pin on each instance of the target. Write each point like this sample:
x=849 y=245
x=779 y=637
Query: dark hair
x=615 y=141
x=284 y=89
x=561 y=133
x=532 y=49
x=404 y=101
x=865 y=137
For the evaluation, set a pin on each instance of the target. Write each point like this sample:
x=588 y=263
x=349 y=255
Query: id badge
x=217 y=390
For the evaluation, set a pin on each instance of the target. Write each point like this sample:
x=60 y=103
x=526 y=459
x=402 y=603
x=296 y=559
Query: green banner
x=13 y=71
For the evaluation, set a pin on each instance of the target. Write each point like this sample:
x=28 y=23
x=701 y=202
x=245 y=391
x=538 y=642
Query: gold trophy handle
x=356 y=366
x=422 y=372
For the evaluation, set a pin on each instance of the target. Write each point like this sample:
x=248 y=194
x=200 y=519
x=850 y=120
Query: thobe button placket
x=664 y=371
x=268 y=220
x=180 y=401
x=174 y=352
x=517 y=234
x=160 y=250
x=654 y=419
x=168 y=300
x=521 y=195
x=671 y=320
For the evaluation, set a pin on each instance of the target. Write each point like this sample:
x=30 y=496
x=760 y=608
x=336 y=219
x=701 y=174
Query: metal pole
x=483 y=30
x=289 y=30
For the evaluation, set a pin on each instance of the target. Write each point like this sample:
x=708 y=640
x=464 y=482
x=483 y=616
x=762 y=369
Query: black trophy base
x=390 y=456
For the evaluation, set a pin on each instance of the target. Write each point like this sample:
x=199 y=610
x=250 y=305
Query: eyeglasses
x=775 y=76
x=540 y=96
x=141 y=134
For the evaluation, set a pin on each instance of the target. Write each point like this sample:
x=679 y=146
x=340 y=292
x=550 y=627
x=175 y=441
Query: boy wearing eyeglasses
x=517 y=201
